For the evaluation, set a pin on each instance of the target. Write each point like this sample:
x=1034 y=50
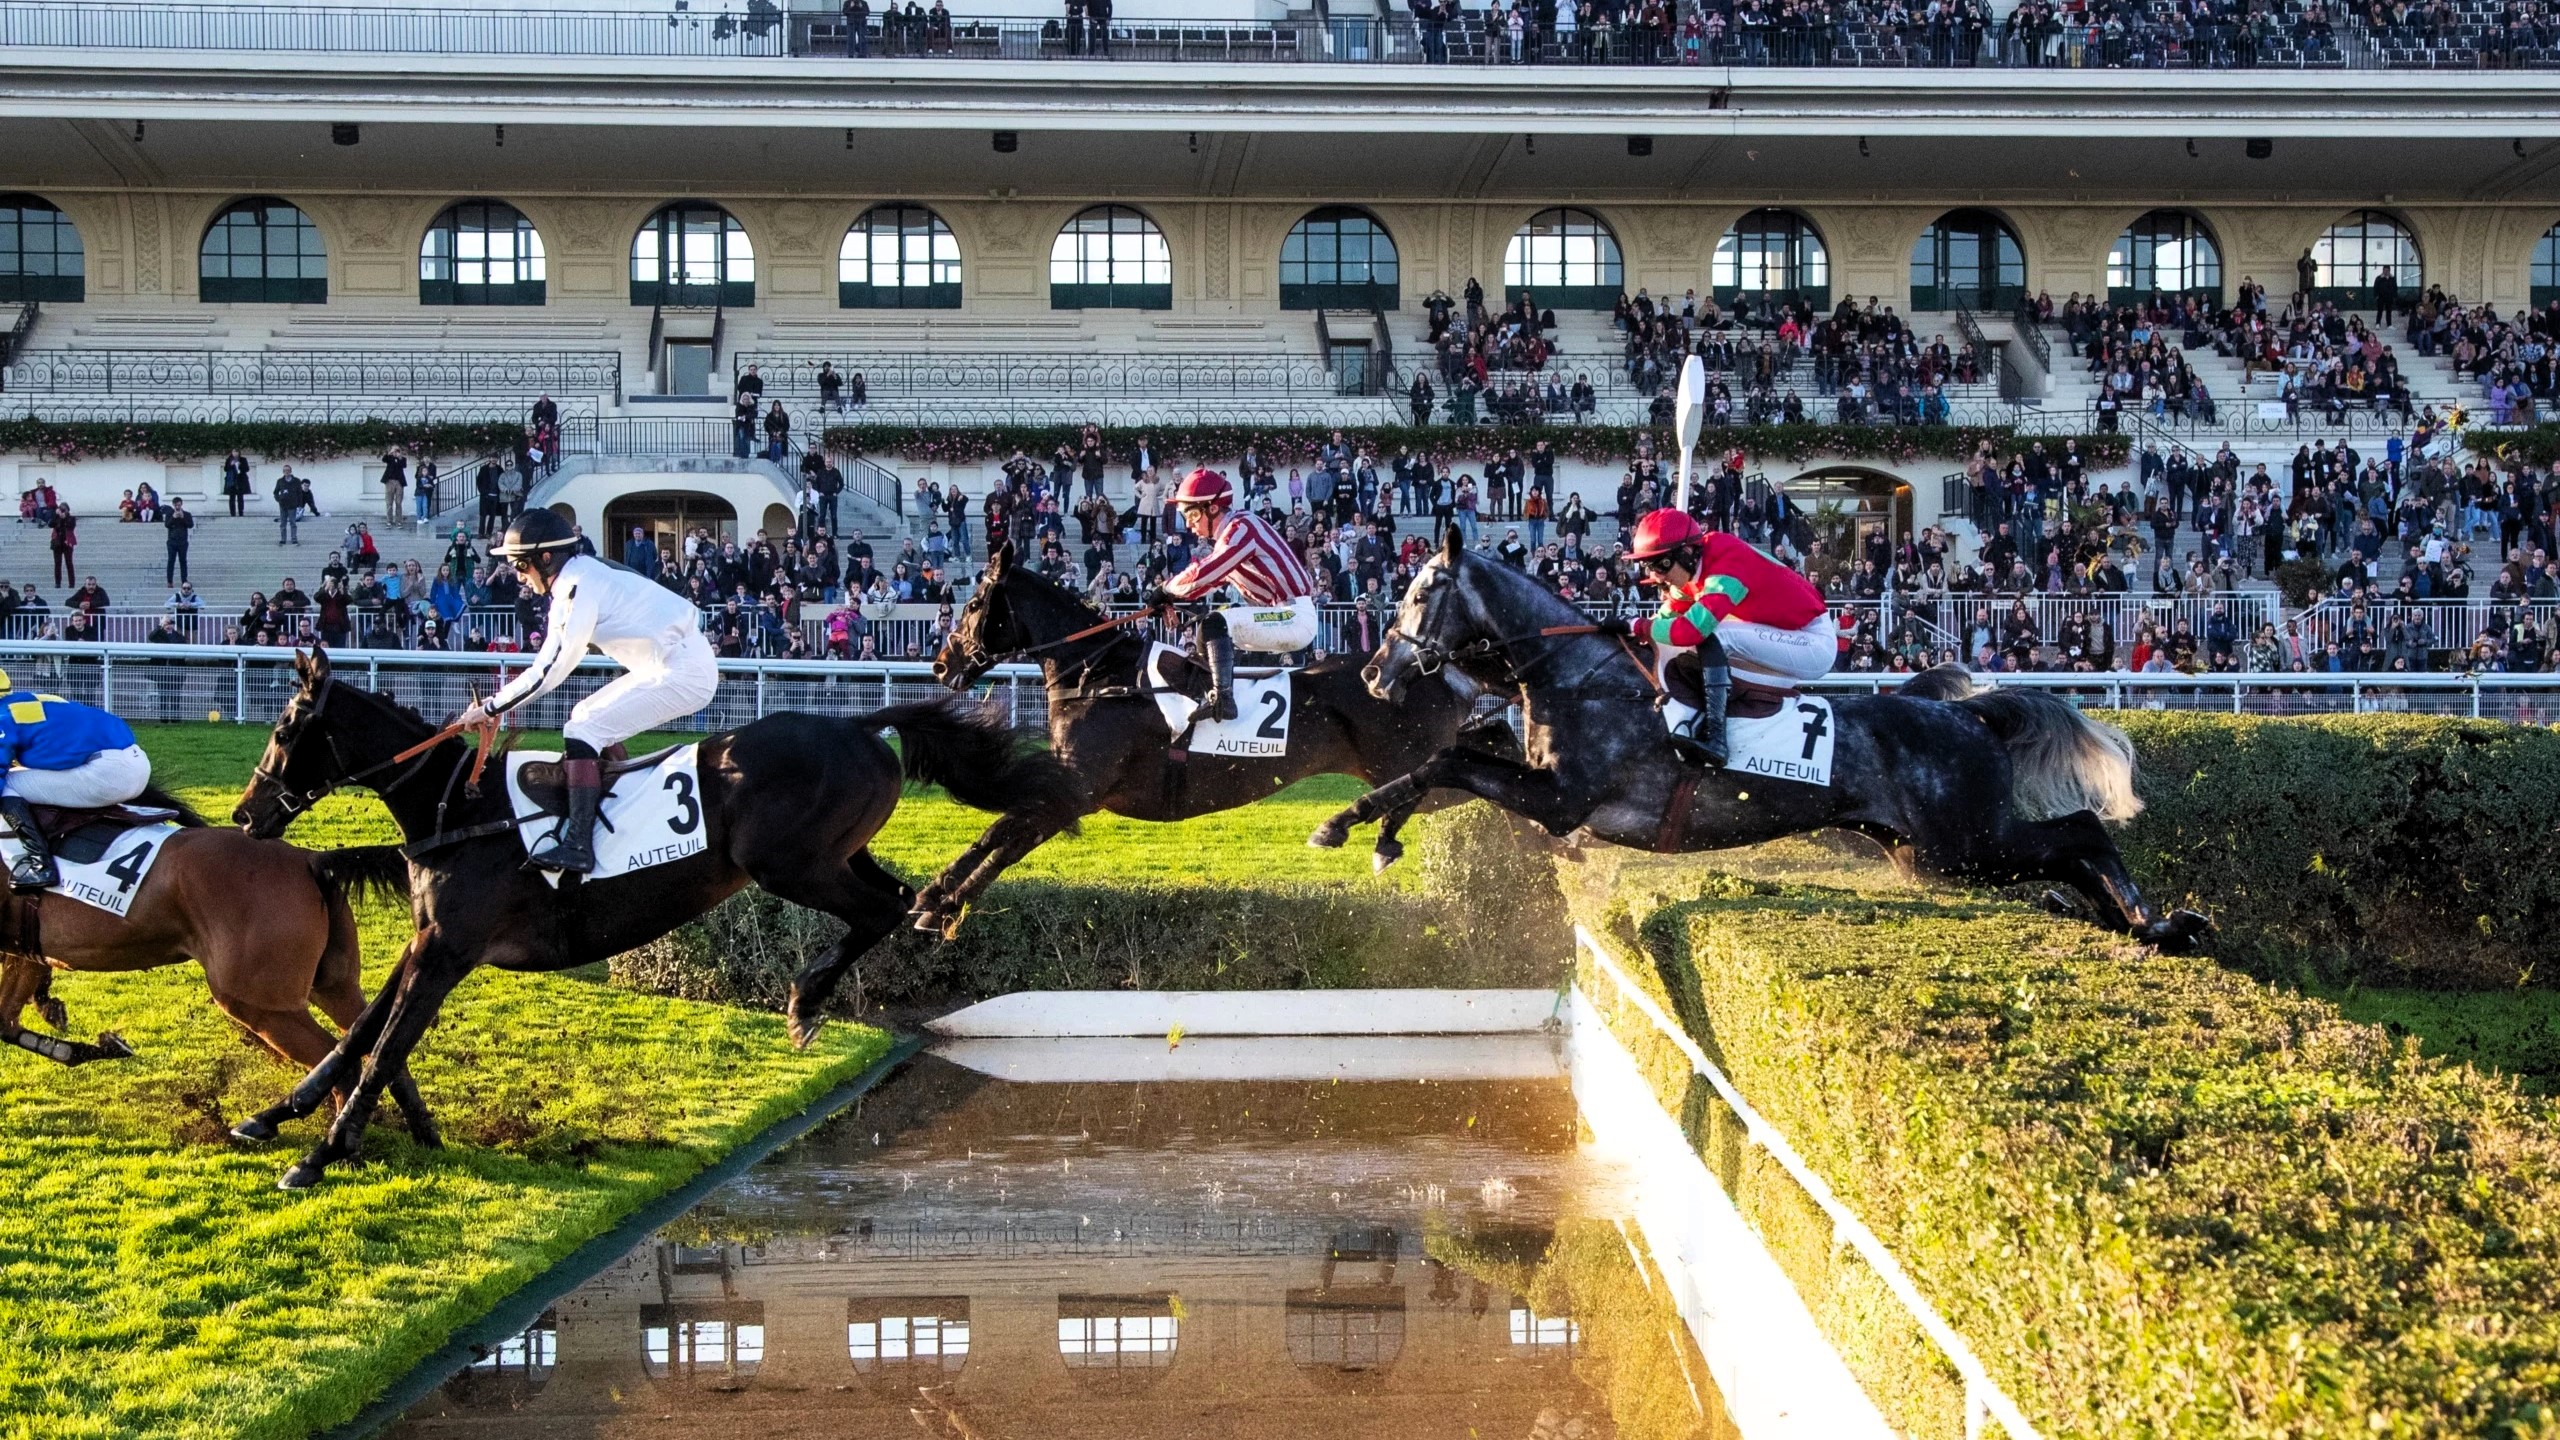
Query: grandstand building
x=1180 y=213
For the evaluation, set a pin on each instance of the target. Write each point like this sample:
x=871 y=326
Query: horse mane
x=1545 y=604
x=1044 y=586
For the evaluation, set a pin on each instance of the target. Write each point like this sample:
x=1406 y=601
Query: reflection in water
x=900 y=1343
x=1254 y=1260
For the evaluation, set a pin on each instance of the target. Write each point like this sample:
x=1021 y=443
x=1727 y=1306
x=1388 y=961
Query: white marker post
x=1693 y=395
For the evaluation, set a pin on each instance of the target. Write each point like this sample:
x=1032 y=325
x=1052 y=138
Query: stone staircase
x=228 y=558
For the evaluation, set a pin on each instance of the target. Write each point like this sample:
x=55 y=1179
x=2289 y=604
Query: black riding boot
x=35 y=869
x=573 y=849
x=1701 y=740
x=1218 y=653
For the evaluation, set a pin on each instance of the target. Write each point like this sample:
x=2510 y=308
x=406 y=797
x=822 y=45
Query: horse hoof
x=301 y=1175
x=55 y=1013
x=256 y=1130
x=1379 y=860
x=1331 y=835
x=804 y=1029
x=2056 y=903
x=115 y=1045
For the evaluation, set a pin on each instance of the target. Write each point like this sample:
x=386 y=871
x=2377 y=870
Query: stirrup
x=1695 y=752
x=567 y=855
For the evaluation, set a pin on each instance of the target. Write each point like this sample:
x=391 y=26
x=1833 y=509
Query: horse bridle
x=977 y=660
x=1430 y=656
x=295 y=802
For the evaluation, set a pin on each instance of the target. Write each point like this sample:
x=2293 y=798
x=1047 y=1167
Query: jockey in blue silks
x=65 y=754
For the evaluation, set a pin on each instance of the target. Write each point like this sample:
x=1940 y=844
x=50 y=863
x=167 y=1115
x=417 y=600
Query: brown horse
x=269 y=922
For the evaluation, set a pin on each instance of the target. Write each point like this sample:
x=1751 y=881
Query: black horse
x=1994 y=787
x=1104 y=726
x=790 y=803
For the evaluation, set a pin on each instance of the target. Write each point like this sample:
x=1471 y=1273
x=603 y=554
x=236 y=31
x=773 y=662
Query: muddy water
x=986 y=1259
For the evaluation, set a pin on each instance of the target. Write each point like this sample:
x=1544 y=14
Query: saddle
x=1180 y=672
x=546 y=786
x=1685 y=680
x=81 y=836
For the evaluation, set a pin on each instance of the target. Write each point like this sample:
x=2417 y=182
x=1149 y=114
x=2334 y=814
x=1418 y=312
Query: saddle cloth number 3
x=653 y=816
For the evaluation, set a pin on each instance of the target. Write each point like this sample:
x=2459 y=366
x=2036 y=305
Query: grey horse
x=1991 y=787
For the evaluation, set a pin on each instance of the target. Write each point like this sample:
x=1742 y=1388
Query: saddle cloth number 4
x=111 y=880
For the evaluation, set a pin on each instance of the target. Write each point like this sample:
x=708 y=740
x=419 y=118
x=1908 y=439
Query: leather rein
x=295 y=802
x=1430 y=655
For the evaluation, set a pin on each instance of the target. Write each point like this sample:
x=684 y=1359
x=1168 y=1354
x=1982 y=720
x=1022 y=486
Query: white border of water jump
x=1779 y=1376
x=1074 y=1014
x=1983 y=1396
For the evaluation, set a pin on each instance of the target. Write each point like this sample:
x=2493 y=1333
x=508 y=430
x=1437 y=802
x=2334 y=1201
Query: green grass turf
x=1263 y=843
x=154 y=1282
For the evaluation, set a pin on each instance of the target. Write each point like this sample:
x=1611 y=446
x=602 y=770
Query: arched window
x=481 y=252
x=1117 y=1344
x=2167 y=252
x=2545 y=278
x=262 y=251
x=898 y=257
x=40 y=255
x=1774 y=254
x=693 y=253
x=714 y=1341
x=1968 y=260
x=900 y=1343
x=1566 y=260
x=1110 y=258
x=1338 y=258
x=2353 y=253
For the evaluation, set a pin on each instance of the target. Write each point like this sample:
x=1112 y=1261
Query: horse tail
x=970 y=751
x=2061 y=761
x=378 y=871
x=1949 y=682
x=154 y=796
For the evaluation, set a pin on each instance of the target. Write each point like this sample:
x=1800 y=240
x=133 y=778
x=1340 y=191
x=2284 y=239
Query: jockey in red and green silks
x=1739 y=609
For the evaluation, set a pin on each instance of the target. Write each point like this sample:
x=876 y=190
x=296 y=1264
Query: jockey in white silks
x=670 y=671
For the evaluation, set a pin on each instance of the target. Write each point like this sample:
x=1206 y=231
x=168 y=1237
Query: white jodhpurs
x=1272 y=627
x=109 y=777
x=1767 y=656
x=682 y=682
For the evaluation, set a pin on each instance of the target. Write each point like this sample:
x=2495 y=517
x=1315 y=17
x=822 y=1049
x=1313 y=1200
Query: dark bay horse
x=1996 y=787
x=789 y=802
x=1104 y=726
x=269 y=922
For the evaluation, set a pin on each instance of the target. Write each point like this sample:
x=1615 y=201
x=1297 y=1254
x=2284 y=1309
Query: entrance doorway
x=1855 y=511
x=689 y=367
x=667 y=516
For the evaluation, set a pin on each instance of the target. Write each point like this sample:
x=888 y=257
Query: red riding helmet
x=1663 y=531
x=1204 y=487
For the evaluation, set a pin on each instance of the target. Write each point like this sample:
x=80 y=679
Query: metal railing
x=577 y=414
x=888 y=377
x=21 y=325
x=2436 y=624
x=761 y=29
x=252 y=685
x=330 y=373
